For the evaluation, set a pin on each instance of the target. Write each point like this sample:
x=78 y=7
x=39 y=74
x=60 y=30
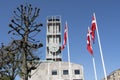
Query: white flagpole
x=68 y=53
x=94 y=68
x=94 y=65
x=100 y=49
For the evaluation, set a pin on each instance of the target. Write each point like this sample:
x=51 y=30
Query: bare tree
x=9 y=62
x=25 y=27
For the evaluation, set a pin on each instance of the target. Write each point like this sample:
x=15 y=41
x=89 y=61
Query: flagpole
x=89 y=41
x=94 y=68
x=68 y=53
x=103 y=64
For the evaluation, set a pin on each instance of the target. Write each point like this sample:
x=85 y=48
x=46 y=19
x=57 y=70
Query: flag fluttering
x=93 y=28
x=89 y=46
x=65 y=37
x=91 y=35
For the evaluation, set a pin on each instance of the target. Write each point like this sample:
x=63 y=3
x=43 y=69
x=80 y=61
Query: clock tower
x=54 y=68
x=53 y=38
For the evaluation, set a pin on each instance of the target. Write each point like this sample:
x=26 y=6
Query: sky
x=78 y=14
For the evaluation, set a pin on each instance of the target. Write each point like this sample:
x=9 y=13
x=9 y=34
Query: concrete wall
x=44 y=71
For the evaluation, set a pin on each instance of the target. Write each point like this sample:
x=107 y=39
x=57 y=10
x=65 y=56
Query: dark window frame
x=76 y=71
x=54 y=72
x=65 y=72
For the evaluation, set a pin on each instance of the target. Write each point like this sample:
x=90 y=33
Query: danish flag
x=89 y=46
x=93 y=28
x=65 y=37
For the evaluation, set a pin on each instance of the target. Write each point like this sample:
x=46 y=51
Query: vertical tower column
x=53 y=38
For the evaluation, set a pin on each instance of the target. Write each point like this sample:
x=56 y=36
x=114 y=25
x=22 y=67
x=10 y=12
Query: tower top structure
x=53 y=38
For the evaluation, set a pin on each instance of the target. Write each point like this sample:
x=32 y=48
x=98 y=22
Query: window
x=54 y=72
x=65 y=72
x=77 y=72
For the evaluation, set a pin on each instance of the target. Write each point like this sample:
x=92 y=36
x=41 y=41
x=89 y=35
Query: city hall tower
x=53 y=38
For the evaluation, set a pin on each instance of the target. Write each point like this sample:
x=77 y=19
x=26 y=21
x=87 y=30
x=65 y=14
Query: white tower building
x=53 y=38
x=53 y=68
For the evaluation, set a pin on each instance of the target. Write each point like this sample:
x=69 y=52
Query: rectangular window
x=54 y=72
x=77 y=72
x=65 y=72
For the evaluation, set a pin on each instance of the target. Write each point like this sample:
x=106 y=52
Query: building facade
x=57 y=71
x=53 y=68
x=115 y=75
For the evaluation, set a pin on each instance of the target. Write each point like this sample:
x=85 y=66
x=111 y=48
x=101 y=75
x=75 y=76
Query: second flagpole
x=103 y=64
x=68 y=53
x=94 y=67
